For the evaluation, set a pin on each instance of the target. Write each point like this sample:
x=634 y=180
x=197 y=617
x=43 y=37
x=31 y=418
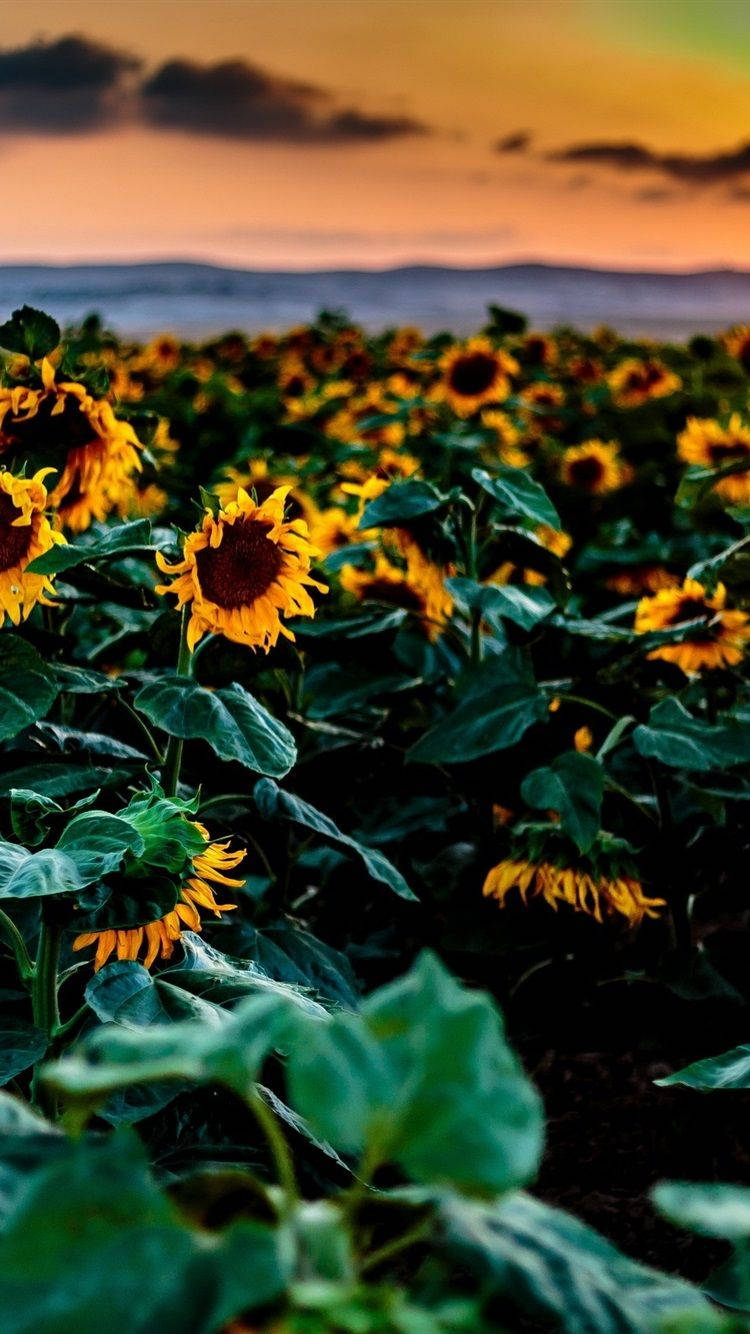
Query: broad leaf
x=401 y=504
x=518 y=494
x=681 y=741
x=573 y=786
x=124 y=539
x=521 y=603
x=27 y=688
x=731 y=1070
x=233 y=723
x=499 y=703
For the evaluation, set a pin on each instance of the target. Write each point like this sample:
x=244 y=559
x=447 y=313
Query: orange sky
x=672 y=77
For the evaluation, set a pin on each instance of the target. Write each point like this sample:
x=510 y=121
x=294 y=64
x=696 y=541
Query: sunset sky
x=328 y=133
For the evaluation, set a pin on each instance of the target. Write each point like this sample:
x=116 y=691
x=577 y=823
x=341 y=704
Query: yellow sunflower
x=552 y=539
x=721 y=639
x=93 y=452
x=158 y=938
x=737 y=343
x=243 y=570
x=419 y=588
x=641 y=579
x=582 y=890
x=257 y=478
x=473 y=374
x=594 y=466
x=25 y=533
x=507 y=436
x=635 y=381
x=333 y=529
x=706 y=442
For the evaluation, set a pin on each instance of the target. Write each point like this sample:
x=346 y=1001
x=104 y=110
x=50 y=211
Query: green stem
x=394 y=1247
x=173 y=753
x=44 y=983
x=472 y=569
x=280 y=1152
x=10 y=931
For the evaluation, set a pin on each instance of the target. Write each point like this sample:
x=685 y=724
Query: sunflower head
x=162 y=888
x=473 y=374
x=707 y=443
x=719 y=639
x=25 y=533
x=418 y=586
x=737 y=344
x=594 y=466
x=245 y=569
x=635 y=381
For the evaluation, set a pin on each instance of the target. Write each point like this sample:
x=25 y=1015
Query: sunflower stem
x=276 y=1142
x=173 y=753
x=44 y=983
x=13 y=936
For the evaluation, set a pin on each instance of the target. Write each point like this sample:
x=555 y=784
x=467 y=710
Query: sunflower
x=257 y=479
x=93 y=452
x=243 y=570
x=552 y=539
x=584 y=890
x=737 y=343
x=706 y=442
x=635 y=381
x=419 y=589
x=594 y=466
x=539 y=349
x=640 y=579
x=473 y=374
x=25 y=533
x=158 y=938
x=720 y=640
x=294 y=380
x=333 y=529
x=507 y=437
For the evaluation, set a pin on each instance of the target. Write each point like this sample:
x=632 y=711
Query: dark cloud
x=71 y=83
x=237 y=100
x=517 y=142
x=691 y=168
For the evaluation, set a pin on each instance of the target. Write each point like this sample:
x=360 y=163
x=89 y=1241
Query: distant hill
x=198 y=300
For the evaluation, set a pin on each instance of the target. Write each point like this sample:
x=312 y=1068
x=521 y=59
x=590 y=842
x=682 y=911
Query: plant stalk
x=173 y=753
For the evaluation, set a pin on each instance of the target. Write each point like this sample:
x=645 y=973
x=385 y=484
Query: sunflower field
x=375 y=722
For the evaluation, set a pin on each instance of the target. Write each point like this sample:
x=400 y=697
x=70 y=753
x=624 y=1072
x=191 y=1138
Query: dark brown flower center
x=691 y=609
x=728 y=451
x=395 y=594
x=586 y=472
x=473 y=374
x=14 y=542
x=242 y=568
x=47 y=434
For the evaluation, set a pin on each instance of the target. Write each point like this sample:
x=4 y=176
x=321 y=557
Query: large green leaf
x=90 y=1239
x=523 y=604
x=401 y=504
x=573 y=786
x=681 y=741
x=27 y=687
x=519 y=495
x=21 y=1044
x=33 y=875
x=233 y=723
x=31 y=332
x=124 y=539
x=545 y=1260
x=272 y=802
x=422 y=1077
x=499 y=703
x=731 y=1070
x=62 y=780
x=217 y=977
x=713 y=1210
x=98 y=843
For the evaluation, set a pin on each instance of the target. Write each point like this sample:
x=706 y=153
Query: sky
x=365 y=133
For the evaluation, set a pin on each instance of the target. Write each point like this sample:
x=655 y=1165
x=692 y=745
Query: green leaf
x=219 y=977
x=401 y=504
x=99 y=1237
x=521 y=603
x=731 y=1070
x=124 y=539
x=27 y=689
x=712 y=1210
x=21 y=1045
x=34 y=875
x=499 y=703
x=681 y=741
x=546 y=1261
x=62 y=780
x=573 y=786
x=366 y=621
x=272 y=803
x=335 y=690
x=519 y=495
x=233 y=723
x=422 y=1077
x=98 y=843
x=30 y=332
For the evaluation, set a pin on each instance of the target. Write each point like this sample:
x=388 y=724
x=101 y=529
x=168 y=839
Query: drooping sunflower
x=594 y=466
x=706 y=442
x=63 y=427
x=635 y=381
x=581 y=887
x=243 y=570
x=473 y=374
x=419 y=588
x=158 y=938
x=719 y=641
x=25 y=533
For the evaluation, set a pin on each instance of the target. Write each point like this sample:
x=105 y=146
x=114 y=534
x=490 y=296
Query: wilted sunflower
x=419 y=589
x=594 y=466
x=475 y=373
x=25 y=533
x=719 y=641
x=158 y=938
x=706 y=442
x=635 y=381
x=63 y=427
x=583 y=889
x=243 y=570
